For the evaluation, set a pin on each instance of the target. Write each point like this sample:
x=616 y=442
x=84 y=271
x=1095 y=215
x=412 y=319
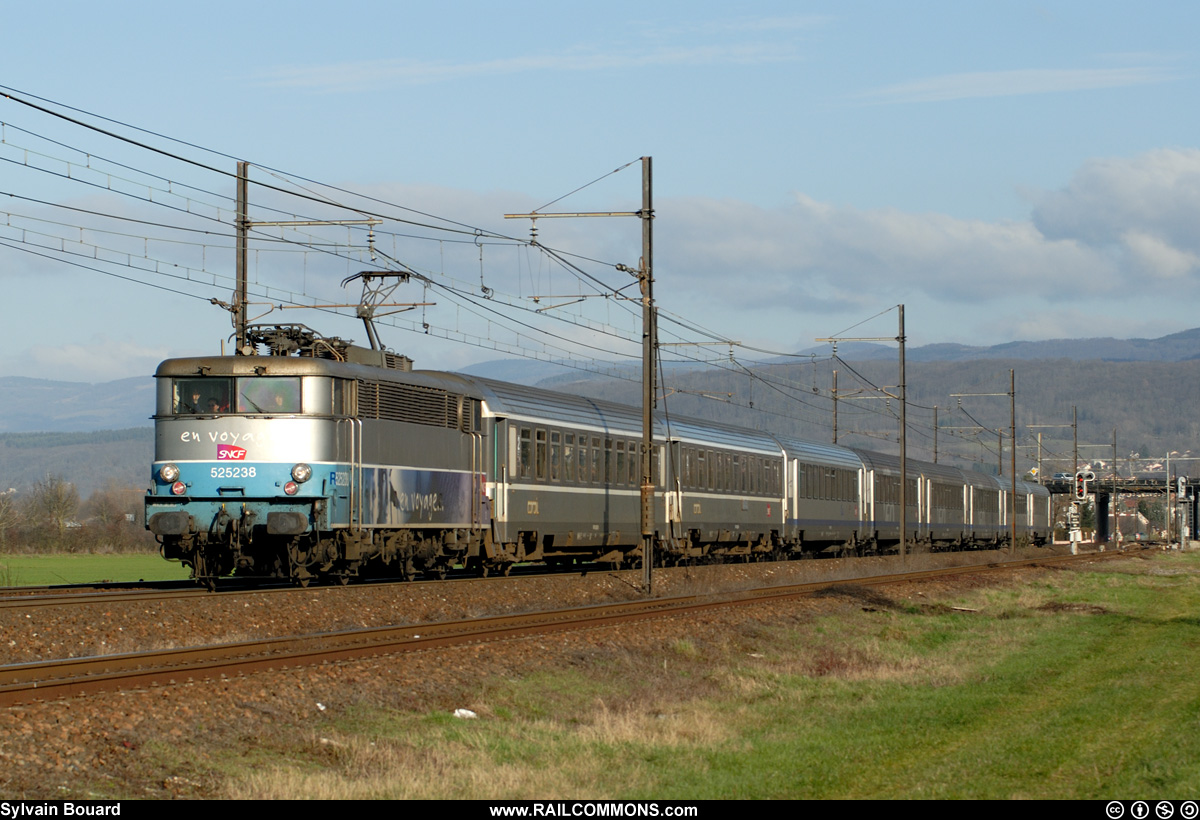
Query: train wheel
x=201 y=573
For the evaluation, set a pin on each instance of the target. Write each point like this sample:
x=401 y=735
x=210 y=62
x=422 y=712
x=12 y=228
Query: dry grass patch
x=685 y=725
x=488 y=758
x=358 y=768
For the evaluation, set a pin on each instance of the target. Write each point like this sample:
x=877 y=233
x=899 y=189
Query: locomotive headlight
x=291 y=487
x=301 y=472
x=178 y=488
x=169 y=472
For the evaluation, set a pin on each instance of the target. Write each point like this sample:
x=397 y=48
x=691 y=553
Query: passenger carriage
x=823 y=496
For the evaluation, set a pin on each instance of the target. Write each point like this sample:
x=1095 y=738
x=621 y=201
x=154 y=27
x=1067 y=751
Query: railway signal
x=1082 y=479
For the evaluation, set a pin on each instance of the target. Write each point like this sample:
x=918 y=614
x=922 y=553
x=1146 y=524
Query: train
x=318 y=460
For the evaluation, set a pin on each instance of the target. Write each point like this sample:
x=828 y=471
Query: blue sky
x=1006 y=170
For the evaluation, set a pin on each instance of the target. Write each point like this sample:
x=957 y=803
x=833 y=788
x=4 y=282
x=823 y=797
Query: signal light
x=1080 y=486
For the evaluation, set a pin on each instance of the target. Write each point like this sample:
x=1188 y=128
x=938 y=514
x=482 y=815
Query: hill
x=1150 y=405
x=33 y=405
x=1144 y=389
x=89 y=460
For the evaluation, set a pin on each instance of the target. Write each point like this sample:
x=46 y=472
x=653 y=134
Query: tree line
x=50 y=516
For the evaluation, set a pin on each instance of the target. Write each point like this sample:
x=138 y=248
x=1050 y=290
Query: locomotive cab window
x=269 y=395
x=194 y=397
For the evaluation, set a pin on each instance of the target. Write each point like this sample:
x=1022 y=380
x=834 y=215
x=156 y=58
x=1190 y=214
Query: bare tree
x=11 y=514
x=55 y=501
x=112 y=504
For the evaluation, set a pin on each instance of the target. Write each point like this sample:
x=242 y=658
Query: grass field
x=46 y=570
x=1081 y=685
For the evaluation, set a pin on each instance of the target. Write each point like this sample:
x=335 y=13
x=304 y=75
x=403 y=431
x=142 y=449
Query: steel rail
x=46 y=680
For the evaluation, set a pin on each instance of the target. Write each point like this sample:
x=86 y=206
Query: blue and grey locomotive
x=327 y=460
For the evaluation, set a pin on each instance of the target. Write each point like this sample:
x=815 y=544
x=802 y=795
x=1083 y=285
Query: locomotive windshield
x=268 y=395
x=207 y=396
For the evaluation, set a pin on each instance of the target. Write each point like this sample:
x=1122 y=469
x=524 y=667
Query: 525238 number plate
x=233 y=472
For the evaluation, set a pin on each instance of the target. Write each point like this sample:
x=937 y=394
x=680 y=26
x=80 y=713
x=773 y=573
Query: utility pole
x=1012 y=464
x=1116 y=513
x=243 y=226
x=903 y=446
x=1012 y=409
x=835 y=407
x=1041 y=475
x=649 y=335
x=1169 y=504
x=645 y=277
x=900 y=338
x=243 y=230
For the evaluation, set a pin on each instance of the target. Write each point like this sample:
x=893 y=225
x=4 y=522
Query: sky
x=1007 y=171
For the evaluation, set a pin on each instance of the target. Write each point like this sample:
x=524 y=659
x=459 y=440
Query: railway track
x=104 y=593
x=45 y=680
x=51 y=597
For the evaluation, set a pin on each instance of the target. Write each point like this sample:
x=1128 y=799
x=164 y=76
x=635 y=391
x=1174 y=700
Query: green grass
x=1079 y=685
x=45 y=570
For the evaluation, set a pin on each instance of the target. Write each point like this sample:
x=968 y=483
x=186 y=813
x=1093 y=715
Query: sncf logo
x=227 y=452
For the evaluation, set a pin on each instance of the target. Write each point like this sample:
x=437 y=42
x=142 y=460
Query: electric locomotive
x=314 y=464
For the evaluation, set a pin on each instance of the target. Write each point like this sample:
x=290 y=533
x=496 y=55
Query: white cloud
x=1154 y=193
x=1014 y=83
x=771 y=25
x=369 y=75
x=1101 y=252
x=1157 y=258
x=819 y=254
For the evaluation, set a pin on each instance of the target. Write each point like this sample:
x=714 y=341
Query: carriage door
x=791 y=493
x=347 y=489
x=498 y=475
x=472 y=421
x=672 y=494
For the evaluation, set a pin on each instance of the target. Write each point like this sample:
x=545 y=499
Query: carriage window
x=269 y=395
x=597 y=455
x=568 y=456
x=524 y=453
x=540 y=455
x=555 y=454
x=201 y=396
